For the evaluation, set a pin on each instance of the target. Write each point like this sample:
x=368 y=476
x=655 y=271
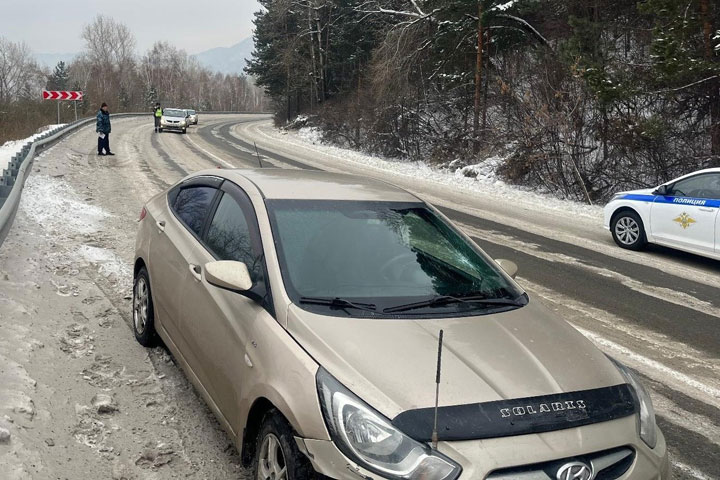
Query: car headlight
x=646 y=422
x=369 y=439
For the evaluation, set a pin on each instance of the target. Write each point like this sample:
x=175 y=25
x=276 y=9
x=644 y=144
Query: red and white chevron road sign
x=61 y=95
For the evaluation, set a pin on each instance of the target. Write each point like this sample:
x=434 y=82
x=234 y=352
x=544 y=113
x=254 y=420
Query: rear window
x=192 y=206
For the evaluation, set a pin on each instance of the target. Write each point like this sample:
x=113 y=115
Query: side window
x=705 y=185
x=229 y=237
x=192 y=206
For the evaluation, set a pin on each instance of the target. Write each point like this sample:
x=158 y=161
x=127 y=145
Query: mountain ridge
x=227 y=60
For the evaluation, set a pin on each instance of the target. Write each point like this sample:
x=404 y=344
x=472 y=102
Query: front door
x=687 y=216
x=217 y=322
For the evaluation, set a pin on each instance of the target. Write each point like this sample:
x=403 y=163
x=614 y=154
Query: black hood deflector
x=520 y=416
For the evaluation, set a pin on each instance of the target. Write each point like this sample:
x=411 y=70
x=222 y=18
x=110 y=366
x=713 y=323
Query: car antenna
x=437 y=391
x=258 y=154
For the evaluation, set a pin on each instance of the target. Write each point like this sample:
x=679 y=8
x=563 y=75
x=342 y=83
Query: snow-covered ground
x=11 y=147
x=479 y=179
x=54 y=203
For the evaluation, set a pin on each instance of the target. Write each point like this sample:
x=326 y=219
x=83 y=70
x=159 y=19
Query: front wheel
x=184 y=131
x=159 y=130
x=628 y=230
x=276 y=454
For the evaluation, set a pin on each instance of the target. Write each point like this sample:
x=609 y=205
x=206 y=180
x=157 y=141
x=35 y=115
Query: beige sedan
x=311 y=310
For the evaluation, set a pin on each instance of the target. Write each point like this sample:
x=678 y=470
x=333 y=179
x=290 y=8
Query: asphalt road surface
x=65 y=282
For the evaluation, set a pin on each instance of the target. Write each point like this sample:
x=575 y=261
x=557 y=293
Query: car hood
x=391 y=363
x=169 y=117
x=642 y=191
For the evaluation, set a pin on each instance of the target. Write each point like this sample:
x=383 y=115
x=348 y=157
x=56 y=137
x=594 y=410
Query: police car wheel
x=628 y=230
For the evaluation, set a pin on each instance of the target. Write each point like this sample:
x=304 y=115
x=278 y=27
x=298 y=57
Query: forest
x=579 y=98
x=109 y=70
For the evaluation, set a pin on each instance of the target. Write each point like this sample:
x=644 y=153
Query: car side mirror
x=510 y=267
x=662 y=190
x=228 y=274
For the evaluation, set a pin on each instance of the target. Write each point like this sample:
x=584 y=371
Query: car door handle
x=160 y=225
x=706 y=209
x=196 y=271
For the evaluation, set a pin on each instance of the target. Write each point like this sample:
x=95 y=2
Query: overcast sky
x=193 y=25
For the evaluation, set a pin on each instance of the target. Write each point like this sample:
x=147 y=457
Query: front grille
x=607 y=465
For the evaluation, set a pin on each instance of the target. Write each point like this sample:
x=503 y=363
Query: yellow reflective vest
x=158 y=112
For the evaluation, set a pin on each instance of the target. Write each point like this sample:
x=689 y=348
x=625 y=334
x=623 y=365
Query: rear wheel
x=628 y=230
x=276 y=454
x=143 y=310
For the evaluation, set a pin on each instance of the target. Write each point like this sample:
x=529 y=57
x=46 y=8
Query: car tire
x=159 y=130
x=184 y=131
x=276 y=452
x=143 y=310
x=628 y=230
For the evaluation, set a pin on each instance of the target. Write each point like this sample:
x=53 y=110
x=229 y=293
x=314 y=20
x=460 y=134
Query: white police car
x=682 y=214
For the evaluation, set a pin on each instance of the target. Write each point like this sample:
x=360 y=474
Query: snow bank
x=11 y=147
x=480 y=179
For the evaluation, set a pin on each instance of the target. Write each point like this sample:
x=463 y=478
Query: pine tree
x=686 y=57
x=151 y=96
x=58 y=80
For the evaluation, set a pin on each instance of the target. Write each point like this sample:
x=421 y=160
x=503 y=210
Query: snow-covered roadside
x=11 y=147
x=89 y=401
x=480 y=179
x=54 y=204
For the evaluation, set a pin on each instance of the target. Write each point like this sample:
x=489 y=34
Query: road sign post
x=62 y=95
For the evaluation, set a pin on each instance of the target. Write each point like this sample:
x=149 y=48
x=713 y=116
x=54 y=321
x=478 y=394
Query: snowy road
x=65 y=278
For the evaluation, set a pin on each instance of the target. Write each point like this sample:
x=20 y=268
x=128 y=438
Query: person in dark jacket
x=103 y=130
x=157 y=113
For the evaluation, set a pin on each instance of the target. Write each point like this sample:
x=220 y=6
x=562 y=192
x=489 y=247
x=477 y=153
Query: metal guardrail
x=14 y=176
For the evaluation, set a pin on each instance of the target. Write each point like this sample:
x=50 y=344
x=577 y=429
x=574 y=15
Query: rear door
x=178 y=230
x=687 y=216
x=217 y=322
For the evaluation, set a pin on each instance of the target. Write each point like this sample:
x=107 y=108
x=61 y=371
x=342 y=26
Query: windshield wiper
x=448 y=299
x=339 y=303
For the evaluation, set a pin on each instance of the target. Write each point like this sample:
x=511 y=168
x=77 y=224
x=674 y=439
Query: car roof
x=696 y=172
x=277 y=183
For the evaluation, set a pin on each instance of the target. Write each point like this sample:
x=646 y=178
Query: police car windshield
x=383 y=254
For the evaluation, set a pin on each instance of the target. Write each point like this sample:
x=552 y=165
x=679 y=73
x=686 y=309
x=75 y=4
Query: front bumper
x=480 y=458
x=173 y=126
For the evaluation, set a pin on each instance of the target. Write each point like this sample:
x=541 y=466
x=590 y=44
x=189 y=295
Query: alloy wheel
x=271 y=461
x=140 y=305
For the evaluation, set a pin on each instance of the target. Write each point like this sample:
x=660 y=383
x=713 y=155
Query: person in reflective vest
x=158 y=114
